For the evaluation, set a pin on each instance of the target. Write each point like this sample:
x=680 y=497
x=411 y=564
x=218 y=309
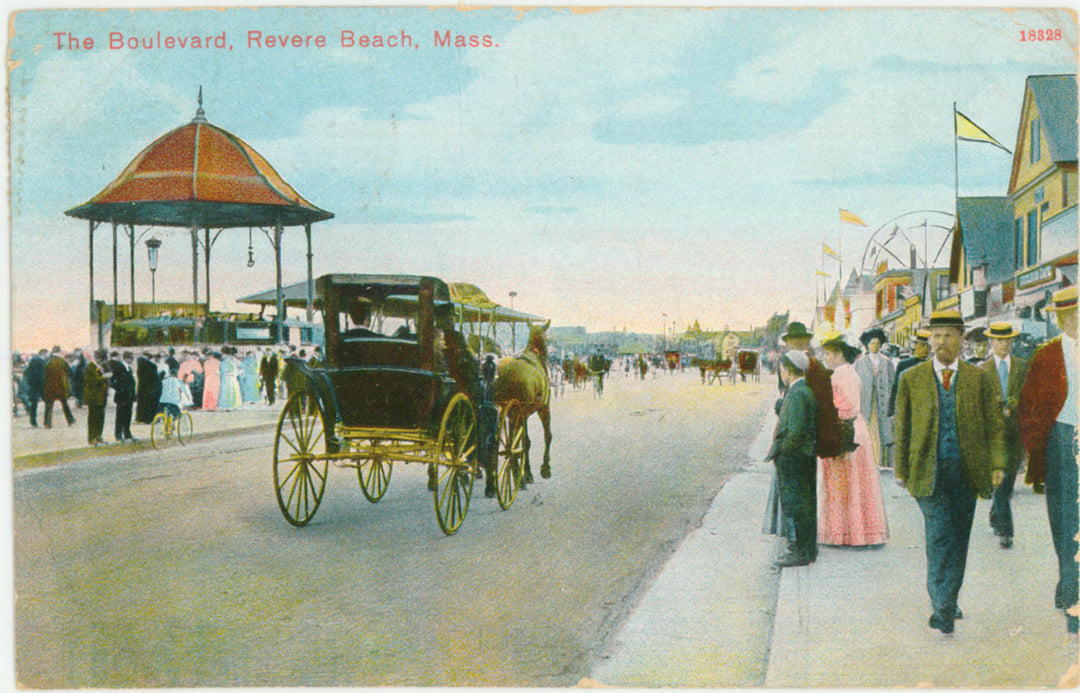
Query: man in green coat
x=950 y=448
x=95 y=395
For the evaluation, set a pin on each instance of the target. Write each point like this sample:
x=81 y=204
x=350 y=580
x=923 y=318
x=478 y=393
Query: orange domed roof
x=199 y=175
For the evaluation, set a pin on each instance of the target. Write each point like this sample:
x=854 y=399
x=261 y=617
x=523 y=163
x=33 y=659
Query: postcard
x=543 y=347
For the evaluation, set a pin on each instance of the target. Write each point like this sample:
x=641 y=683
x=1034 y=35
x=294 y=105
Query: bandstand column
x=280 y=299
x=131 y=261
x=194 y=284
x=310 y=281
x=114 y=268
x=206 y=259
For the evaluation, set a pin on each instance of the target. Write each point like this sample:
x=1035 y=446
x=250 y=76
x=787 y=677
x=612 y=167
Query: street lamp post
x=513 y=324
x=152 y=245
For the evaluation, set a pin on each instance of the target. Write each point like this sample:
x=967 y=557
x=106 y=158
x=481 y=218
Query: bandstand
x=199 y=177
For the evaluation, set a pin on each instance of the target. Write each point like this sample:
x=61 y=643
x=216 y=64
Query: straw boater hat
x=1001 y=330
x=921 y=337
x=947 y=318
x=1065 y=299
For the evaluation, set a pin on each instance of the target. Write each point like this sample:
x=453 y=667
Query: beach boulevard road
x=176 y=568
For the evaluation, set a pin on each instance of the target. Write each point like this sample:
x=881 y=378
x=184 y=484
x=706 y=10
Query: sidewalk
x=854 y=618
x=35 y=447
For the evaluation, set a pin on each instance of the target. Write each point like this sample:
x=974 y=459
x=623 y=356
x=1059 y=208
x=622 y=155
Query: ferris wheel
x=914 y=238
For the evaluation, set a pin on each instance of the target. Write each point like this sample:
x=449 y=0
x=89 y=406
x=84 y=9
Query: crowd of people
x=221 y=379
x=952 y=429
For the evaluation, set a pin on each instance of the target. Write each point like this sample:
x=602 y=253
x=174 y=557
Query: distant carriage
x=749 y=364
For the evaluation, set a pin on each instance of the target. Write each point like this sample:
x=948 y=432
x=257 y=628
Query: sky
x=621 y=168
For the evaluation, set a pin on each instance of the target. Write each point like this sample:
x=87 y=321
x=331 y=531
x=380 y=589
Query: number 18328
x=1040 y=35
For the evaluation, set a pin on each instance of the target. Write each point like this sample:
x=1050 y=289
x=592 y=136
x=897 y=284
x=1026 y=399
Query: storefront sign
x=1039 y=275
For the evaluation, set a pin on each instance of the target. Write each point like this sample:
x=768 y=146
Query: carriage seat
x=379 y=351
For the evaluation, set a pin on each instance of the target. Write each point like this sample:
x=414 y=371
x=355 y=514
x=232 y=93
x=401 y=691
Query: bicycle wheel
x=185 y=427
x=159 y=431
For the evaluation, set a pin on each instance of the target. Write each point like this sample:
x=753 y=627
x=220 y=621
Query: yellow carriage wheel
x=299 y=471
x=510 y=453
x=455 y=463
x=373 y=470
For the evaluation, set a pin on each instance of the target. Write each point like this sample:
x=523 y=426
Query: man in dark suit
x=148 y=390
x=819 y=380
x=920 y=350
x=268 y=369
x=950 y=448
x=1047 y=416
x=792 y=451
x=32 y=387
x=122 y=382
x=1009 y=372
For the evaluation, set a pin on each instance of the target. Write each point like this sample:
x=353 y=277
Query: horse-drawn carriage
x=398 y=385
x=749 y=361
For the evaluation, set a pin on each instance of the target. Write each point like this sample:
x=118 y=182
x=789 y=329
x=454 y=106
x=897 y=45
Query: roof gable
x=985 y=231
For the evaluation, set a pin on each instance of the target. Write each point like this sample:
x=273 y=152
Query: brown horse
x=524 y=378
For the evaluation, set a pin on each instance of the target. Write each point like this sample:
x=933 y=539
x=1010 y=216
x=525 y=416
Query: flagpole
x=956 y=162
x=840 y=272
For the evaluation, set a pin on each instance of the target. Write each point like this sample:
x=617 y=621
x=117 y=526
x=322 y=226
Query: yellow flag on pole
x=830 y=252
x=822 y=274
x=970 y=132
x=849 y=218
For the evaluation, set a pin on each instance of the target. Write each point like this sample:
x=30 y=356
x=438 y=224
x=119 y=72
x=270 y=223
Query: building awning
x=468 y=304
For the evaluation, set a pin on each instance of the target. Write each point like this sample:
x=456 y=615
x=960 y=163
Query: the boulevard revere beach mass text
x=255 y=39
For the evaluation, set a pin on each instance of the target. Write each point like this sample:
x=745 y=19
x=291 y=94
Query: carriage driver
x=360 y=310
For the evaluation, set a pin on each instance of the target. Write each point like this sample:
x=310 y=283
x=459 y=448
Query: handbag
x=847 y=436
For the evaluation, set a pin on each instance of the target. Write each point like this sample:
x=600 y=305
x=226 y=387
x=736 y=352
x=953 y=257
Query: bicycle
x=165 y=426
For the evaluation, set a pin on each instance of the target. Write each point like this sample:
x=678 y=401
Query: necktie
x=1003 y=378
x=946 y=377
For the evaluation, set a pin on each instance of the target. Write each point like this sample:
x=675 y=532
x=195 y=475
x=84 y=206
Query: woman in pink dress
x=212 y=383
x=851 y=509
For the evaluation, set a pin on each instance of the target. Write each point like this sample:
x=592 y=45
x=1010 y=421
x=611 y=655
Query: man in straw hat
x=950 y=448
x=792 y=451
x=1009 y=372
x=1047 y=415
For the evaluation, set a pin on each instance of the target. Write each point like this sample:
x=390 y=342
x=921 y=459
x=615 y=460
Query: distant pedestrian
x=95 y=396
x=792 y=451
x=148 y=389
x=950 y=448
x=191 y=374
x=122 y=382
x=249 y=378
x=172 y=393
x=78 y=375
x=211 y=380
x=1009 y=372
x=57 y=387
x=876 y=371
x=32 y=385
x=920 y=351
x=268 y=369
x=171 y=363
x=980 y=346
x=229 y=380
x=1047 y=415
